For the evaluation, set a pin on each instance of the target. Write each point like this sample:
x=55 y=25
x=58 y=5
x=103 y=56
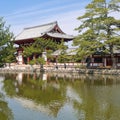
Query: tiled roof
x=60 y=35
x=41 y=30
x=36 y=31
x=69 y=51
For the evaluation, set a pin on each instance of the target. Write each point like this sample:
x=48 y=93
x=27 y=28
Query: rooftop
x=50 y=29
x=69 y=51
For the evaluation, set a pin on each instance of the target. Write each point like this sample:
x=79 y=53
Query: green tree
x=39 y=46
x=63 y=57
x=99 y=31
x=7 y=49
x=29 y=50
x=45 y=45
x=9 y=53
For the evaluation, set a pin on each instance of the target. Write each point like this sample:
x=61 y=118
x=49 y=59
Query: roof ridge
x=55 y=22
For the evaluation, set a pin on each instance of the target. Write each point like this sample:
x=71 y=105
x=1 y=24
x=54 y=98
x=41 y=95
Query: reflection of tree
x=41 y=92
x=99 y=102
x=5 y=112
x=9 y=87
x=99 y=95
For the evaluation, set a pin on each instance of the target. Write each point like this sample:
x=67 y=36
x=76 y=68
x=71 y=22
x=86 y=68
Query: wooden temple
x=104 y=61
x=28 y=35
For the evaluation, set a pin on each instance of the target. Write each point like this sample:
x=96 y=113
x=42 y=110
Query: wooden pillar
x=28 y=60
x=34 y=57
x=104 y=62
x=20 y=57
x=92 y=59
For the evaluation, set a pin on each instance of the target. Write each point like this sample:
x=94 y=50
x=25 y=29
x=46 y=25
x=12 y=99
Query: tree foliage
x=7 y=49
x=100 y=30
x=63 y=57
x=39 y=46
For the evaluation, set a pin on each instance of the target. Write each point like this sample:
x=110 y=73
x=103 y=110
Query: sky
x=20 y=14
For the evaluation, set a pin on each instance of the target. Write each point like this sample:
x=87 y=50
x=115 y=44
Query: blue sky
x=24 y=13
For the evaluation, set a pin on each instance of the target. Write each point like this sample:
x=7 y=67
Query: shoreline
x=62 y=70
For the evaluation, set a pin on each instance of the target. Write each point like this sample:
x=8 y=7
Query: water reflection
x=66 y=96
x=5 y=112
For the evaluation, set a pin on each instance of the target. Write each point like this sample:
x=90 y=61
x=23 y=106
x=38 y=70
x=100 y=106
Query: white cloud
x=31 y=8
x=66 y=15
x=40 y=11
x=67 y=21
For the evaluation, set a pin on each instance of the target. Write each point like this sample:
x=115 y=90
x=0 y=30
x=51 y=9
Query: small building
x=97 y=60
x=28 y=36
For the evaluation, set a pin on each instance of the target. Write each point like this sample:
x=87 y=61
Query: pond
x=58 y=96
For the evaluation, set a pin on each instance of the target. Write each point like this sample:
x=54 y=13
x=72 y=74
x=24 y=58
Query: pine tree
x=63 y=55
x=99 y=30
x=38 y=47
x=7 y=49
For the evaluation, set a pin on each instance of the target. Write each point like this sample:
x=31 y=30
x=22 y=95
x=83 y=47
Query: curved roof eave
x=59 y=35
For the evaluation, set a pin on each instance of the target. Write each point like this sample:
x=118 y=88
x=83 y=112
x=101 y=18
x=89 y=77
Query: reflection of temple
x=27 y=36
x=19 y=78
x=39 y=95
x=85 y=97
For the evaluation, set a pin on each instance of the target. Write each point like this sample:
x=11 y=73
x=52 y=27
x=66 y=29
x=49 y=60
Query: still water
x=59 y=97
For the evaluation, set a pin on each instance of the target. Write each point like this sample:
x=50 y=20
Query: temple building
x=98 y=60
x=28 y=36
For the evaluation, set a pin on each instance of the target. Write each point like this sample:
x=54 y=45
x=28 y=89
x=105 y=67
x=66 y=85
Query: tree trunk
x=114 y=66
x=113 y=58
